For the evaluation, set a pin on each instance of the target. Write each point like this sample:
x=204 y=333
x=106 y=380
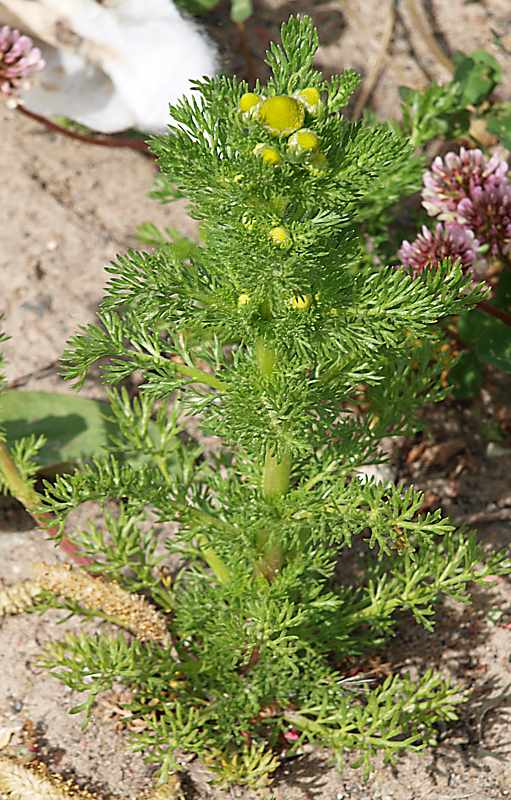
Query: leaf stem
x=199 y=376
x=23 y=491
x=213 y=560
x=101 y=140
x=276 y=474
x=493 y=311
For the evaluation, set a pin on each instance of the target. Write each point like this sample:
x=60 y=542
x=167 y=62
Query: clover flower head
x=454 y=177
x=487 y=212
x=19 y=60
x=430 y=248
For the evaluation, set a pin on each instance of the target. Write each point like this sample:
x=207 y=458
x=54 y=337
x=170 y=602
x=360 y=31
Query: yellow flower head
x=249 y=102
x=270 y=155
x=301 y=302
x=311 y=99
x=281 y=114
x=304 y=141
x=243 y=299
x=280 y=236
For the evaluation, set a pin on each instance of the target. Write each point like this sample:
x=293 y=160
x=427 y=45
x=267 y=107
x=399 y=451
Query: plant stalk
x=103 y=140
x=213 y=560
x=23 y=491
x=199 y=376
x=493 y=311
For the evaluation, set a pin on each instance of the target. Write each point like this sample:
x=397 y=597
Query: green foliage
x=477 y=75
x=438 y=110
x=489 y=338
x=300 y=353
x=499 y=123
x=240 y=9
x=69 y=428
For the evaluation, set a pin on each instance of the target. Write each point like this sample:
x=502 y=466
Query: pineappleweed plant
x=301 y=355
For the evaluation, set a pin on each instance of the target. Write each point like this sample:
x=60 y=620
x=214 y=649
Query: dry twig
x=373 y=75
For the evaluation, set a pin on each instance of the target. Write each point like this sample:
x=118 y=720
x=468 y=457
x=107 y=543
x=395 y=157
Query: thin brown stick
x=422 y=29
x=102 y=140
x=374 y=73
x=493 y=311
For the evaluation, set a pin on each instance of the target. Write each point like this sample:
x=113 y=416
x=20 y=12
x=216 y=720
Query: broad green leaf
x=498 y=122
x=477 y=74
x=466 y=376
x=489 y=337
x=74 y=427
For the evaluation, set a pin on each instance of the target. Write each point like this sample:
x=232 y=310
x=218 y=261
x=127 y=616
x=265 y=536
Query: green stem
x=23 y=491
x=266 y=358
x=276 y=475
x=19 y=488
x=199 y=376
x=213 y=561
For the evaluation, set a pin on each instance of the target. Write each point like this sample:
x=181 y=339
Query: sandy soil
x=67 y=210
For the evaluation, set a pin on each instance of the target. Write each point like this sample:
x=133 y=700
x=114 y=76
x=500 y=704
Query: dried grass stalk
x=19 y=597
x=34 y=782
x=128 y=610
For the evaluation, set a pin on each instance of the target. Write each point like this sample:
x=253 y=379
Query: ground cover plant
x=301 y=353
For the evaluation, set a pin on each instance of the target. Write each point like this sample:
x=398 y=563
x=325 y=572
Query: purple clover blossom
x=487 y=212
x=430 y=248
x=455 y=177
x=19 y=60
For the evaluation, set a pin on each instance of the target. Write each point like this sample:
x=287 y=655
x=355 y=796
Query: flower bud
x=249 y=102
x=243 y=299
x=270 y=155
x=304 y=141
x=280 y=236
x=301 y=302
x=281 y=114
x=311 y=99
x=318 y=163
x=247 y=221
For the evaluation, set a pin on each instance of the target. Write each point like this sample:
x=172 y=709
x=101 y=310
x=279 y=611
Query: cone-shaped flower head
x=487 y=212
x=430 y=248
x=304 y=141
x=311 y=99
x=455 y=177
x=19 y=60
x=282 y=115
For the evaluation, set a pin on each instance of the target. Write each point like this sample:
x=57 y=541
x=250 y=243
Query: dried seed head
x=19 y=60
x=130 y=611
x=19 y=597
x=34 y=782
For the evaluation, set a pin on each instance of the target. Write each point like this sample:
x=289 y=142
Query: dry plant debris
x=33 y=781
x=128 y=610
